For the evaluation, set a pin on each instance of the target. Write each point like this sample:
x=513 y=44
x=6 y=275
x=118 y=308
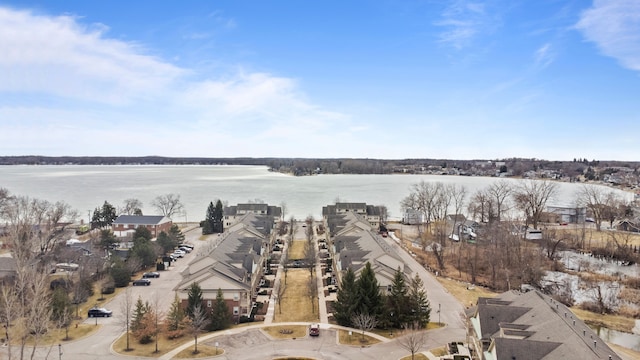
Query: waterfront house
x=533 y=326
x=155 y=223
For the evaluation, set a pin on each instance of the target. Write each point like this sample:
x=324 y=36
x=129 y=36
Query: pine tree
x=346 y=299
x=207 y=227
x=418 y=302
x=176 y=320
x=218 y=215
x=370 y=300
x=138 y=314
x=398 y=301
x=220 y=315
x=194 y=298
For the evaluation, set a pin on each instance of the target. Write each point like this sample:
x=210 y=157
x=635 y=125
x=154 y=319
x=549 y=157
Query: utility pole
x=60 y=351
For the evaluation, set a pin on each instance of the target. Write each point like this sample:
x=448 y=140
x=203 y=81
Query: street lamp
x=439 y=314
x=59 y=351
x=391 y=329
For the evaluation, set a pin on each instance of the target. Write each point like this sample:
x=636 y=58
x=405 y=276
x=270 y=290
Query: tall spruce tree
x=398 y=301
x=220 y=315
x=218 y=215
x=207 y=226
x=370 y=299
x=418 y=303
x=194 y=298
x=346 y=299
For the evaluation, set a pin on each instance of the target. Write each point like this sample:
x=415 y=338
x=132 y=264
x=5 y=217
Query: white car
x=178 y=254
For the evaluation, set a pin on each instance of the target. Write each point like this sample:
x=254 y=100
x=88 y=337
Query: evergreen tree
x=176 y=234
x=176 y=320
x=103 y=216
x=194 y=298
x=218 y=217
x=418 y=303
x=370 y=300
x=142 y=232
x=138 y=314
x=346 y=299
x=207 y=227
x=144 y=250
x=220 y=315
x=107 y=239
x=165 y=242
x=119 y=272
x=398 y=301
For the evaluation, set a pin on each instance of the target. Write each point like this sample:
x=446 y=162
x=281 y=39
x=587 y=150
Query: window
x=236 y=310
x=209 y=303
x=236 y=297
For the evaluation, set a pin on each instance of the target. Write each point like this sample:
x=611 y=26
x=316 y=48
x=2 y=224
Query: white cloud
x=544 y=56
x=463 y=20
x=70 y=77
x=614 y=26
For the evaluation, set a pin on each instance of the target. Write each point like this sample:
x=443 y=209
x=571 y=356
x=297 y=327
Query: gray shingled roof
x=140 y=219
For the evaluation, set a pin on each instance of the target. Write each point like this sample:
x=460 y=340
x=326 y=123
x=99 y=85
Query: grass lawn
x=286 y=332
x=440 y=351
x=355 y=338
x=468 y=297
x=418 y=356
x=203 y=352
x=296 y=302
x=137 y=349
x=296 y=250
x=595 y=238
x=614 y=322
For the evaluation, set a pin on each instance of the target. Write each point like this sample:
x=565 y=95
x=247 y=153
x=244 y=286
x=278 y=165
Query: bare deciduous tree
x=280 y=291
x=312 y=292
x=531 y=196
x=131 y=206
x=126 y=308
x=499 y=192
x=168 y=205
x=600 y=201
x=364 y=322
x=412 y=340
x=198 y=322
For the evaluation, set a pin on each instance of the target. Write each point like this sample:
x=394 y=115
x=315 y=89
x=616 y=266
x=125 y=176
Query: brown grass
x=614 y=322
x=418 y=356
x=355 y=339
x=468 y=297
x=593 y=238
x=296 y=331
x=204 y=351
x=296 y=304
x=137 y=349
x=296 y=250
x=440 y=351
x=625 y=354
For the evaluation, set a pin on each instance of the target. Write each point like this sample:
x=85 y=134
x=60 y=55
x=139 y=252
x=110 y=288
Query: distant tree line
x=312 y=166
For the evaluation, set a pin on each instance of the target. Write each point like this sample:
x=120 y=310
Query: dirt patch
x=296 y=304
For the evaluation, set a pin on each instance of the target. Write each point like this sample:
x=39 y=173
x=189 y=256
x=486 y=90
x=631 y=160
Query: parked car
x=178 y=251
x=178 y=254
x=142 y=282
x=185 y=249
x=152 y=274
x=314 y=330
x=99 y=312
x=186 y=245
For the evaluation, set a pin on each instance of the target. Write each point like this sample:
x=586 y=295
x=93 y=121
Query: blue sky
x=491 y=79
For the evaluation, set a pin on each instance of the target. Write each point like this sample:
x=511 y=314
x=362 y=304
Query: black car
x=149 y=275
x=142 y=282
x=99 y=312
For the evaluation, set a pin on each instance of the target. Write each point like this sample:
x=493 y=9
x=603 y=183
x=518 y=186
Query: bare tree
x=198 y=322
x=531 y=196
x=312 y=292
x=424 y=197
x=412 y=339
x=280 y=291
x=479 y=206
x=126 y=309
x=168 y=205
x=457 y=193
x=364 y=322
x=600 y=202
x=131 y=206
x=499 y=192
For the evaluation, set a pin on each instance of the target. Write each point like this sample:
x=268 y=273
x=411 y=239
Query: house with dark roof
x=370 y=213
x=233 y=263
x=532 y=326
x=232 y=214
x=353 y=243
x=155 y=223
